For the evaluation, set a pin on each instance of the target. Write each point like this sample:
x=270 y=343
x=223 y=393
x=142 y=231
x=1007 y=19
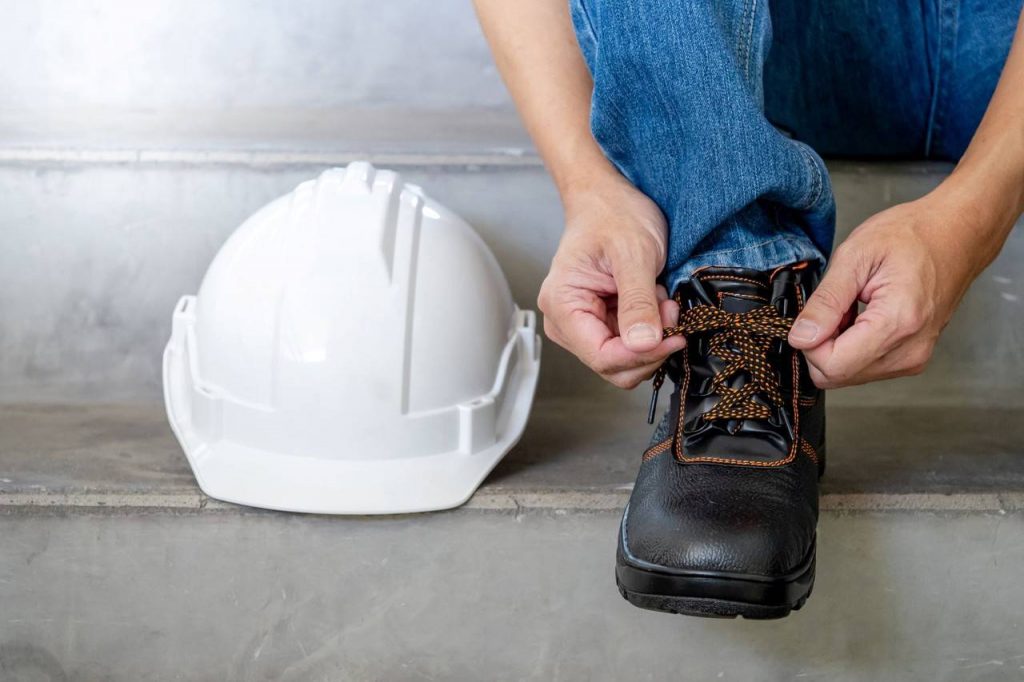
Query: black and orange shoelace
x=742 y=340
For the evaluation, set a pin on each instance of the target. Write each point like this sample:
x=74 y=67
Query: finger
x=824 y=312
x=552 y=332
x=868 y=376
x=588 y=337
x=669 y=313
x=848 y=318
x=630 y=379
x=906 y=359
x=846 y=359
x=613 y=356
x=667 y=307
x=817 y=375
x=638 y=316
x=563 y=309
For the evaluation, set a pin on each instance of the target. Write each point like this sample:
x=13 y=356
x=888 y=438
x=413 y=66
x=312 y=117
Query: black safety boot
x=722 y=519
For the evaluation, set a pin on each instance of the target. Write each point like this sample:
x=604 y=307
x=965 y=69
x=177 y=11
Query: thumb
x=828 y=305
x=638 y=314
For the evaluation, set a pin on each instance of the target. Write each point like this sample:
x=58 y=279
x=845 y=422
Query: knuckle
x=821 y=381
x=635 y=247
x=849 y=254
x=542 y=302
x=912 y=320
x=817 y=376
x=550 y=332
x=618 y=381
x=835 y=376
x=635 y=301
x=599 y=365
x=827 y=380
x=544 y=296
x=918 y=360
x=914 y=370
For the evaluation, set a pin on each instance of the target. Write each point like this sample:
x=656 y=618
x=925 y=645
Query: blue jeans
x=725 y=137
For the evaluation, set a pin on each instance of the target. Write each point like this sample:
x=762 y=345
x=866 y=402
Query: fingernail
x=804 y=330
x=641 y=333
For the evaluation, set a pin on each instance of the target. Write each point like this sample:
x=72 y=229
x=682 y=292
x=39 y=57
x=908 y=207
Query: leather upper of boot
x=729 y=482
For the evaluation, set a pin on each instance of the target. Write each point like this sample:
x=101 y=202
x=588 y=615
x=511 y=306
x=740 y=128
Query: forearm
x=987 y=185
x=536 y=52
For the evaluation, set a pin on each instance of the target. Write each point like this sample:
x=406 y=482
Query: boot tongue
x=732 y=289
x=735 y=304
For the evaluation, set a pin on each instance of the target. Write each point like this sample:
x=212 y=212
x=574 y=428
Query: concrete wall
x=188 y=55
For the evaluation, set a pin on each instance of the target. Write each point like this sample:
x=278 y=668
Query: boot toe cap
x=755 y=537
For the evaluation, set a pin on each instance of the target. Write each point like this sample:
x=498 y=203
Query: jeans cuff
x=766 y=255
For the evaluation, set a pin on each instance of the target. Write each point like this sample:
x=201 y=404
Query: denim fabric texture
x=694 y=109
x=886 y=79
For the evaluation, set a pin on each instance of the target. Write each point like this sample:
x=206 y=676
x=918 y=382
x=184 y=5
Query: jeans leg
x=973 y=40
x=924 y=73
x=678 y=107
x=885 y=47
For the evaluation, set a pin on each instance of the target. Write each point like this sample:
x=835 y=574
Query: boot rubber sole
x=714 y=594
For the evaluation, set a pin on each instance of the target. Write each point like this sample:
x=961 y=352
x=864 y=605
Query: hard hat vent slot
x=527 y=318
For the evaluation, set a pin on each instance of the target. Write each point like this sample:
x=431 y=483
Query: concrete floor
x=482 y=596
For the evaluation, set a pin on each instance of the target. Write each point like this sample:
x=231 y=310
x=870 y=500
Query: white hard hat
x=353 y=349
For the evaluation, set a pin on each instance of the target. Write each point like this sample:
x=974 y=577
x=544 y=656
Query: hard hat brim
x=233 y=472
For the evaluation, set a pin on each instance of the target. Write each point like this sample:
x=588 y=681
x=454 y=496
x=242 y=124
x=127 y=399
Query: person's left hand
x=910 y=265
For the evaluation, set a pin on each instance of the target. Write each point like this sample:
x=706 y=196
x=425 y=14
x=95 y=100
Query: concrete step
x=115 y=567
x=266 y=138
x=124 y=455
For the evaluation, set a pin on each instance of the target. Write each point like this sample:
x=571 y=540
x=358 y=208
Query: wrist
x=994 y=199
x=988 y=185
x=971 y=228
x=584 y=177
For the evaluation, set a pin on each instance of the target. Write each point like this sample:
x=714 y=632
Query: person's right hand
x=600 y=299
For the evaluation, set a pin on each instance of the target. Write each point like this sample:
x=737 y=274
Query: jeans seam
x=749 y=46
x=819 y=182
x=949 y=27
x=588 y=23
